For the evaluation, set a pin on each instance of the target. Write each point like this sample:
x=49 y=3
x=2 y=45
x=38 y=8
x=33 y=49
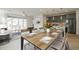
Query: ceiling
x=38 y=11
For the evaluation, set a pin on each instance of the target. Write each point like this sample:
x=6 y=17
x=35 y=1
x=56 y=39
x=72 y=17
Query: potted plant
x=48 y=27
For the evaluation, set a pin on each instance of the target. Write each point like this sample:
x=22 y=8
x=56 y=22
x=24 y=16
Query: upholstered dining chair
x=58 y=44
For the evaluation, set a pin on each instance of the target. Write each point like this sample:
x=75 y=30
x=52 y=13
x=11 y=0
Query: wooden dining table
x=36 y=39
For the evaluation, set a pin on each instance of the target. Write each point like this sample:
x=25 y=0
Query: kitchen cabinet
x=71 y=17
x=5 y=37
x=60 y=18
x=4 y=34
x=71 y=23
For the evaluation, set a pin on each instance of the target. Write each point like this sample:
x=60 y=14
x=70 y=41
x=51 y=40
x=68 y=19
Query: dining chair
x=58 y=44
x=67 y=45
x=28 y=46
x=26 y=43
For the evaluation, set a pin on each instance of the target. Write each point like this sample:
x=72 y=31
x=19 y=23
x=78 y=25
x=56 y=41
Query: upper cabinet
x=73 y=15
x=60 y=18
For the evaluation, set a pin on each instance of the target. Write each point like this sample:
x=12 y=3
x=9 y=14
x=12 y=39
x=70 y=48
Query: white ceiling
x=38 y=11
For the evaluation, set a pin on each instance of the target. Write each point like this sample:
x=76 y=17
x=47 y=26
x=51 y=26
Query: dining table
x=40 y=40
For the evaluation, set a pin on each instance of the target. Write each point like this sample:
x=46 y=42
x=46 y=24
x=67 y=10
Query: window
x=25 y=24
x=21 y=23
x=16 y=24
x=9 y=23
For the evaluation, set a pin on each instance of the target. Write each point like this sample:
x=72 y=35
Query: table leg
x=22 y=42
x=34 y=48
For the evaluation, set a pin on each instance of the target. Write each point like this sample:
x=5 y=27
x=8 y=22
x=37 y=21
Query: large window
x=16 y=24
x=24 y=24
x=9 y=23
x=21 y=23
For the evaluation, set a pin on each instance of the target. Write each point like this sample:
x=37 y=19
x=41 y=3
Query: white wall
x=77 y=22
x=36 y=19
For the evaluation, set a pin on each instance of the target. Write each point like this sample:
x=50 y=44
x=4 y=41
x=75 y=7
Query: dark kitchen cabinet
x=71 y=23
x=57 y=18
x=4 y=38
x=71 y=17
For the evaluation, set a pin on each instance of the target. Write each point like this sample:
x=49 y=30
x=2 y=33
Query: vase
x=48 y=31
